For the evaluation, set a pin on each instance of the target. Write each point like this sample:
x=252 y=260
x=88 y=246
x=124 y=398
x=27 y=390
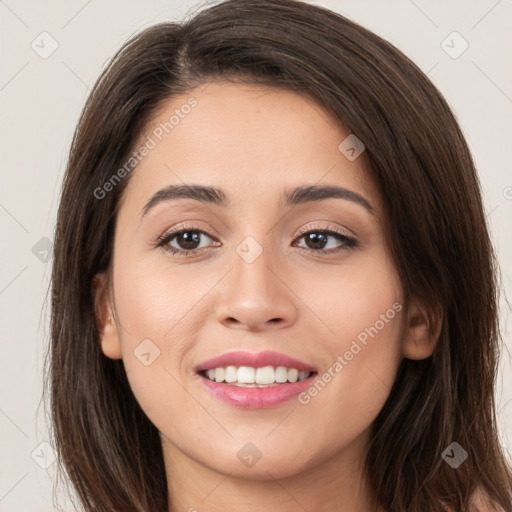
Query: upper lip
x=254 y=360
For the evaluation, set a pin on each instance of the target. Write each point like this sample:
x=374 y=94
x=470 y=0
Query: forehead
x=245 y=138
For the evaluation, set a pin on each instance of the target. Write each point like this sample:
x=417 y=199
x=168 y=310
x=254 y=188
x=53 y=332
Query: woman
x=273 y=283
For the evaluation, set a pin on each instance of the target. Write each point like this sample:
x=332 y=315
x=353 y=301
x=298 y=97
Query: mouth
x=255 y=381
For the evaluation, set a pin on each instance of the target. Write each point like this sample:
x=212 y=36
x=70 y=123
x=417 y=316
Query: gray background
x=42 y=95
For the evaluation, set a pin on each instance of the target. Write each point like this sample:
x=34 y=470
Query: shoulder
x=483 y=503
x=480 y=503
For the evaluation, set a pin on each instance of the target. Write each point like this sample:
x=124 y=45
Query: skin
x=253 y=142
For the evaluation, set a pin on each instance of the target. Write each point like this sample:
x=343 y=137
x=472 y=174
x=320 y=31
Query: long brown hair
x=436 y=231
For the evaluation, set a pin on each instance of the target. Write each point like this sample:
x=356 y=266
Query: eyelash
x=166 y=238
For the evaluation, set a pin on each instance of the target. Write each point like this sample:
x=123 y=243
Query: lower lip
x=256 y=398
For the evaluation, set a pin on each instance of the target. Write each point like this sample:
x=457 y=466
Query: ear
x=107 y=327
x=422 y=331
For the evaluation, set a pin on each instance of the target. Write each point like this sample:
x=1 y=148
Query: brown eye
x=317 y=240
x=185 y=241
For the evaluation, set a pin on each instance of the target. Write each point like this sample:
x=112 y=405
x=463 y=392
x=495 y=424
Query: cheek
x=158 y=323
x=361 y=301
x=159 y=303
x=365 y=355
x=362 y=318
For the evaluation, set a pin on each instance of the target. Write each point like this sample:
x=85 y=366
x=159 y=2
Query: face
x=262 y=276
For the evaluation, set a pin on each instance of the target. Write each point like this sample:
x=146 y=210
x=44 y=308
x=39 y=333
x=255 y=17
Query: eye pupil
x=188 y=237
x=316 y=240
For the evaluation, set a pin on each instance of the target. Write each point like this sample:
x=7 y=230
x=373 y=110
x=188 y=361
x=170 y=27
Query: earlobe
x=105 y=323
x=422 y=332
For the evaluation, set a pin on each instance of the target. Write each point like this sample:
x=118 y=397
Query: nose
x=257 y=295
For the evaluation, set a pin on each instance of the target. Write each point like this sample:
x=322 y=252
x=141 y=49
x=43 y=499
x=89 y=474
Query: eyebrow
x=216 y=196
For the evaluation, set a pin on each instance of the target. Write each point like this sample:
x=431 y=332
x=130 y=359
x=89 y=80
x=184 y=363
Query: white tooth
x=231 y=374
x=258 y=377
x=219 y=374
x=293 y=374
x=265 y=375
x=281 y=374
x=246 y=375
